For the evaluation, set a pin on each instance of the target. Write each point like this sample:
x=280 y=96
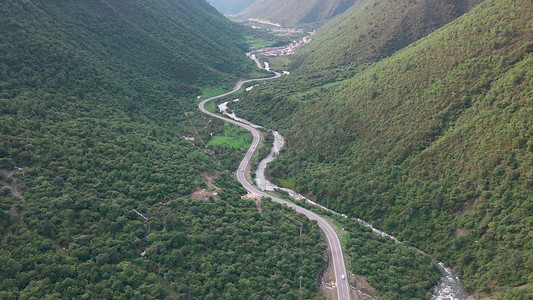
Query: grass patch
x=233 y=137
x=338 y=224
x=257 y=74
x=211 y=106
x=257 y=42
x=279 y=62
x=345 y=239
x=213 y=91
x=287 y=183
x=233 y=142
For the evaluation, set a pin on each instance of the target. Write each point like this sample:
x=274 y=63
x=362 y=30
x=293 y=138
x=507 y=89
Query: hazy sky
x=230 y=6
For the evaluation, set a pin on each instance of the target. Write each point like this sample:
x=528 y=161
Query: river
x=449 y=286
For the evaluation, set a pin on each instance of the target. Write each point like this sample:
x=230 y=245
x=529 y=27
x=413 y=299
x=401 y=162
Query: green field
x=257 y=74
x=257 y=42
x=211 y=107
x=279 y=63
x=287 y=183
x=233 y=142
x=232 y=136
x=213 y=91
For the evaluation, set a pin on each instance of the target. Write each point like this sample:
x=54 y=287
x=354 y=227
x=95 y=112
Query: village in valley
x=286 y=50
x=282 y=51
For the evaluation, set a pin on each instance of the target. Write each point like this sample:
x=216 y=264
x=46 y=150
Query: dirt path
x=258 y=206
x=14 y=186
x=16 y=191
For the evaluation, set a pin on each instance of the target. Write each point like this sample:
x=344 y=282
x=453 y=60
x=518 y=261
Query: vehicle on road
x=343 y=277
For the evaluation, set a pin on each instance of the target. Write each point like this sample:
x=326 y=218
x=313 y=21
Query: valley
x=372 y=135
x=401 y=128
x=449 y=286
x=335 y=249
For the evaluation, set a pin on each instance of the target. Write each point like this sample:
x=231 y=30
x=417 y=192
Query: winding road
x=343 y=288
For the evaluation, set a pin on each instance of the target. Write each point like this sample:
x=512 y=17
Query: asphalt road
x=343 y=288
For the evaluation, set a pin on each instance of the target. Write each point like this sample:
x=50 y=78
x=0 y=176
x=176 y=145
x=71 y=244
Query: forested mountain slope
x=432 y=144
x=198 y=45
x=371 y=30
x=94 y=99
x=230 y=6
x=292 y=12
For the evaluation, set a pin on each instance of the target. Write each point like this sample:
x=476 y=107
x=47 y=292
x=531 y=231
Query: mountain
x=103 y=192
x=292 y=12
x=371 y=30
x=230 y=6
x=432 y=143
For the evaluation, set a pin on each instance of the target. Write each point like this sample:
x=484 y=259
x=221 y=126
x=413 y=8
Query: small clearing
x=232 y=142
x=461 y=232
x=16 y=191
x=361 y=289
x=477 y=297
x=210 y=178
x=211 y=191
x=14 y=186
x=253 y=196
x=203 y=195
x=258 y=206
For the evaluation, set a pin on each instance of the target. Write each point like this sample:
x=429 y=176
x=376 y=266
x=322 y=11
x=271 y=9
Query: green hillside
x=95 y=97
x=432 y=144
x=293 y=12
x=371 y=30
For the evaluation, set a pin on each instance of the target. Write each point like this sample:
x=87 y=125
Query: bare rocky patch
x=361 y=289
x=17 y=209
x=461 y=232
x=204 y=195
x=209 y=179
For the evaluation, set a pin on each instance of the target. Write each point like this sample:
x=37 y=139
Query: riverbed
x=449 y=286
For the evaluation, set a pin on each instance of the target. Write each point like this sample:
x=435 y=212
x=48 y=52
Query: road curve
x=343 y=288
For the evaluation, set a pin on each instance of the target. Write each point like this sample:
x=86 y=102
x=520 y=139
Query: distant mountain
x=431 y=141
x=292 y=12
x=230 y=6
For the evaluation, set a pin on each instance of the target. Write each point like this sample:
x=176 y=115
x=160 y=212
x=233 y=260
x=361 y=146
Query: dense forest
x=431 y=142
x=112 y=185
x=395 y=271
x=97 y=182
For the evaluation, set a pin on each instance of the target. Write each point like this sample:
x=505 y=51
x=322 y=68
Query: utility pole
x=301 y=227
x=301 y=245
x=301 y=250
x=301 y=287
